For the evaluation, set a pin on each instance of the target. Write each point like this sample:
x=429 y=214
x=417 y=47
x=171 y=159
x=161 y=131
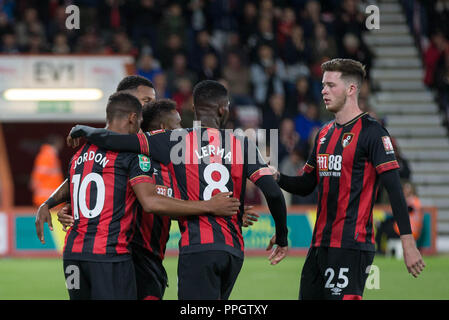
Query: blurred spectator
x=441 y=82
x=223 y=20
x=210 y=69
x=197 y=16
x=274 y=112
x=265 y=36
x=35 y=44
x=90 y=43
x=121 y=44
x=354 y=49
x=311 y=18
x=289 y=139
x=148 y=67
x=184 y=101
x=173 y=46
x=237 y=75
x=47 y=175
x=285 y=26
x=248 y=22
x=60 y=44
x=145 y=18
x=296 y=55
x=300 y=97
x=9 y=44
x=304 y=123
x=29 y=26
x=179 y=69
x=202 y=47
x=350 y=19
x=160 y=86
x=438 y=45
x=172 y=22
x=267 y=74
x=322 y=45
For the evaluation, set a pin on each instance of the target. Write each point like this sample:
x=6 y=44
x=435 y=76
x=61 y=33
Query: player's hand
x=278 y=253
x=65 y=217
x=222 y=204
x=43 y=215
x=73 y=142
x=412 y=257
x=249 y=216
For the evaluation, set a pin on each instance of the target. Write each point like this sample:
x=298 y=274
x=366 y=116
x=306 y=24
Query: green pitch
x=43 y=279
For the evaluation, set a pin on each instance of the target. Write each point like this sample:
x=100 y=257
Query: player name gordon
x=91 y=156
x=228 y=309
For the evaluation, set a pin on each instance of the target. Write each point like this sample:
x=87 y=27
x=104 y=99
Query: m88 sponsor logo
x=329 y=165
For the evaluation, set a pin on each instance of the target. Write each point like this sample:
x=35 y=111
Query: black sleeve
x=301 y=185
x=276 y=204
x=109 y=140
x=390 y=179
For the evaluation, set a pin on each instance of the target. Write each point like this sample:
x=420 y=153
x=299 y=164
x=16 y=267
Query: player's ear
x=132 y=118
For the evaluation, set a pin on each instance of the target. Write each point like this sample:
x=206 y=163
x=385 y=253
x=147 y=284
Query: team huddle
x=124 y=186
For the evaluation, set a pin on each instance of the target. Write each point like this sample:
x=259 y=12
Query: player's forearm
x=301 y=185
x=174 y=207
x=276 y=204
x=107 y=139
x=61 y=195
x=392 y=183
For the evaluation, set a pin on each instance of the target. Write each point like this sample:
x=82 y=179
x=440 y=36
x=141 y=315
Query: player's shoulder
x=372 y=124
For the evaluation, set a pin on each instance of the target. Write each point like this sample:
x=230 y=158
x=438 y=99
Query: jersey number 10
x=79 y=195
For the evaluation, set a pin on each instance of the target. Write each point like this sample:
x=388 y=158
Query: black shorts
x=151 y=277
x=208 y=275
x=334 y=274
x=89 y=280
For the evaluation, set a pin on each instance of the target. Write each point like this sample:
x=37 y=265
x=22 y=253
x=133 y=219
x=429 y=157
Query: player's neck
x=209 y=122
x=118 y=127
x=347 y=113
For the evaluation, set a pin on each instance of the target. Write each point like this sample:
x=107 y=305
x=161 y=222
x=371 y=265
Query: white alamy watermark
x=195 y=146
x=373 y=19
x=73 y=20
x=72 y=280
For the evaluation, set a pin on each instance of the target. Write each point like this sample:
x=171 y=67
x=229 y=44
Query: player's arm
x=412 y=258
x=221 y=205
x=260 y=174
x=302 y=185
x=61 y=195
x=107 y=139
x=380 y=152
x=278 y=209
x=305 y=183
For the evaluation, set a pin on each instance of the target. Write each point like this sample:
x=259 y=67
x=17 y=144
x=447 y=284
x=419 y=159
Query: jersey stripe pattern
x=214 y=161
x=347 y=160
x=152 y=230
x=103 y=205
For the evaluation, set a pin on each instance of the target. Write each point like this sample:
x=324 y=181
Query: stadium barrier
x=18 y=233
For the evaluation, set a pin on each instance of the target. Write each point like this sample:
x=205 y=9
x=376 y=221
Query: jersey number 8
x=211 y=183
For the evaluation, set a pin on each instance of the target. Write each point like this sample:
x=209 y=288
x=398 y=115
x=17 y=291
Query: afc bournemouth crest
x=347 y=139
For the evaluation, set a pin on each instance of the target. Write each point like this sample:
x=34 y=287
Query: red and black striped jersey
x=204 y=162
x=103 y=202
x=347 y=160
x=152 y=230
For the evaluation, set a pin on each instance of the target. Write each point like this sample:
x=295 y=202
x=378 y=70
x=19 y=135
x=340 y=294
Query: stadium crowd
x=268 y=53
